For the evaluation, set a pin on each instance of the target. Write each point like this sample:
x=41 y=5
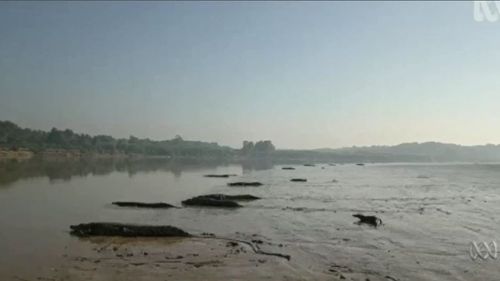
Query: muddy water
x=431 y=213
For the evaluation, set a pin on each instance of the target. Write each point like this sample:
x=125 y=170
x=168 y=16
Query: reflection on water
x=431 y=212
x=64 y=169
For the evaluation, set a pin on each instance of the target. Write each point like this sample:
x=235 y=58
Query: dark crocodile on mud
x=371 y=220
x=219 y=200
x=159 y=205
x=220 y=176
x=241 y=183
x=239 y=197
x=126 y=230
x=202 y=201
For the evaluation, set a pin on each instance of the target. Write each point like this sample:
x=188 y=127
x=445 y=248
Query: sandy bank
x=15 y=154
x=103 y=258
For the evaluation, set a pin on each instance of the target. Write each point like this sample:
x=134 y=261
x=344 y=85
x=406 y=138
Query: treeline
x=259 y=148
x=14 y=137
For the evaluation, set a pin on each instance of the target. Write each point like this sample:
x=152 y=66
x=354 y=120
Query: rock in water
x=371 y=220
x=240 y=183
x=288 y=168
x=210 y=202
x=360 y=164
x=299 y=180
x=309 y=165
x=126 y=230
x=143 y=205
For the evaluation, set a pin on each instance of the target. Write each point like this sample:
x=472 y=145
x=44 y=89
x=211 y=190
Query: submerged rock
x=126 y=230
x=220 y=176
x=309 y=165
x=299 y=180
x=210 y=202
x=288 y=168
x=143 y=205
x=371 y=220
x=240 y=183
x=360 y=164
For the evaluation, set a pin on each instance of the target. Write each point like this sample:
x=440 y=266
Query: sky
x=302 y=74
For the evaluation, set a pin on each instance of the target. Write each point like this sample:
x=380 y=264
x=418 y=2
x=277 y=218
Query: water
x=431 y=212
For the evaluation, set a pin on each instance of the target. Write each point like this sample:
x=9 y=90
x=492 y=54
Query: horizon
x=279 y=148
x=304 y=75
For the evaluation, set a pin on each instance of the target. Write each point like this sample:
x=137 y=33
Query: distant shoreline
x=23 y=143
x=26 y=154
x=20 y=154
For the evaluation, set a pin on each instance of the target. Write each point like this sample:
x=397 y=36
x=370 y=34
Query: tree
x=55 y=138
x=247 y=148
x=265 y=147
x=12 y=135
x=259 y=148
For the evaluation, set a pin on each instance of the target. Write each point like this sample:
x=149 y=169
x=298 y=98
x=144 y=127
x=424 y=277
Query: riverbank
x=127 y=259
x=15 y=154
x=67 y=154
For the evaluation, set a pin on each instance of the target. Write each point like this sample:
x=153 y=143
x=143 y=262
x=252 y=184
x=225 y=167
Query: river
x=431 y=212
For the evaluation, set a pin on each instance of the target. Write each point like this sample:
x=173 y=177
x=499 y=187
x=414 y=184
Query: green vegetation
x=260 y=148
x=14 y=137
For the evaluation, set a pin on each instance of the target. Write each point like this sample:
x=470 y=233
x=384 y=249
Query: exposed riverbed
x=431 y=213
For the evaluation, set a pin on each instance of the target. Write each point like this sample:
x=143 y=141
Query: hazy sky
x=304 y=75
